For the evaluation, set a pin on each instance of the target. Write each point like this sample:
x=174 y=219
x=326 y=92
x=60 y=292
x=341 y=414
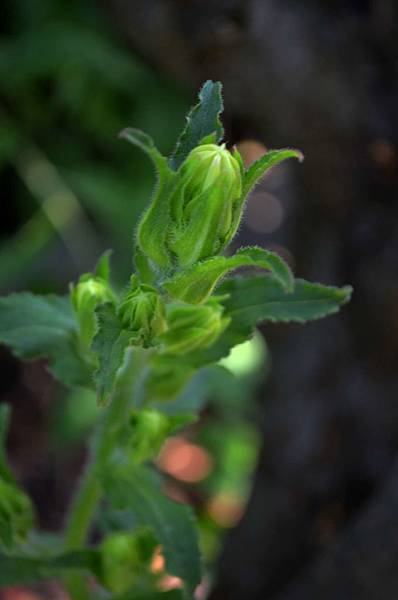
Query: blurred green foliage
x=70 y=187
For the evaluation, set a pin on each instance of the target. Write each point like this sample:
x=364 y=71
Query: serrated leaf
x=253 y=300
x=202 y=121
x=25 y=570
x=194 y=285
x=259 y=299
x=263 y=164
x=136 y=490
x=109 y=344
x=36 y=326
x=152 y=229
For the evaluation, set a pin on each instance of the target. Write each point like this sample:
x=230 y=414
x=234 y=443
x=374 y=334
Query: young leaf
x=134 y=489
x=143 y=267
x=145 y=143
x=257 y=299
x=151 y=234
x=109 y=344
x=44 y=327
x=102 y=268
x=263 y=164
x=194 y=285
x=25 y=570
x=202 y=121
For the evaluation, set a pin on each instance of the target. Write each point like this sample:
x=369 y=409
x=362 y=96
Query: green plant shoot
x=182 y=310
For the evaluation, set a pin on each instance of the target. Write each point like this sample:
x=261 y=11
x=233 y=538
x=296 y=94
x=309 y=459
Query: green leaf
x=25 y=570
x=254 y=300
x=44 y=327
x=5 y=471
x=143 y=267
x=151 y=233
x=103 y=268
x=202 y=121
x=136 y=490
x=263 y=164
x=145 y=143
x=194 y=285
x=259 y=299
x=109 y=344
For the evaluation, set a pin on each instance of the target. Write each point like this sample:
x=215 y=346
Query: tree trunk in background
x=322 y=521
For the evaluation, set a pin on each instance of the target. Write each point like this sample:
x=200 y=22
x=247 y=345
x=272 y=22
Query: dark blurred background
x=321 y=522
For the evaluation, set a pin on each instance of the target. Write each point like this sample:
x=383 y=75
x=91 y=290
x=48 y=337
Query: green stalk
x=89 y=492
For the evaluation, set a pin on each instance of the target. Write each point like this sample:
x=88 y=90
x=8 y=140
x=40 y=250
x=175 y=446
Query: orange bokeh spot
x=169 y=582
x=251 y=150
x=185 y=461
x=158 y=562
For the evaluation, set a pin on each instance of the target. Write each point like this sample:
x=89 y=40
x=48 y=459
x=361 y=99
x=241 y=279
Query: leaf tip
x=345 y=293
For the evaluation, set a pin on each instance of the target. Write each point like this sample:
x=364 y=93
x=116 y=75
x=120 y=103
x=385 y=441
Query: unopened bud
x=90 y=292
x=192 y=327
x=142 y=311
x=202 y=208
x=124 y=558
x=194 y=214
x=149 y=431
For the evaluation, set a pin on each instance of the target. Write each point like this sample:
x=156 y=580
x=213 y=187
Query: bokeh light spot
x=264 y=213
x=184 y=461
x=250 y=151
x=246 y=358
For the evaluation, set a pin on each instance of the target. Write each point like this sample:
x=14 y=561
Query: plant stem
x=80 y=517
x=83 y=507
x=89 y=492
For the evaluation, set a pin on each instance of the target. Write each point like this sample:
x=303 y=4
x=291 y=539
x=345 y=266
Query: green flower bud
x=16 y=514
x=192 y=327
x=90 y=292
x=150 y=429
x=142 y=311
x=203 y=205
x=124 y=557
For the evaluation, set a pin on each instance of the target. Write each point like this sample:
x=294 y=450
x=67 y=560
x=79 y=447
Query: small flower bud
x=202 y=207
x=142 y=311
x=149 y=431
x=192 y=327
x=16 y=513
x=124 y=557
x=90 y=292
